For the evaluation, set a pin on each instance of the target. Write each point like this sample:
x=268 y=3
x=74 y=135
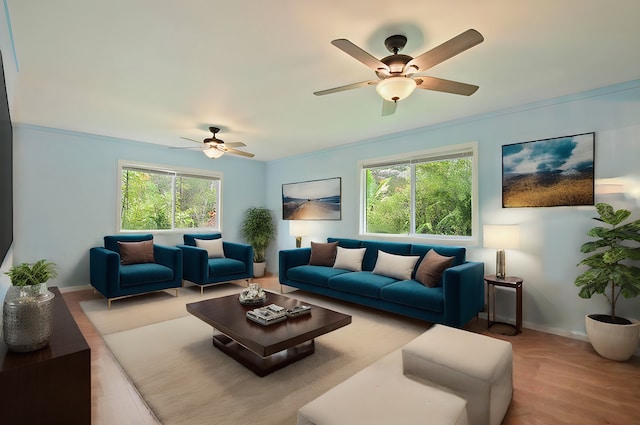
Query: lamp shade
x=213 y=152
x=395 y=88
x=298 y=228
x=501 y=236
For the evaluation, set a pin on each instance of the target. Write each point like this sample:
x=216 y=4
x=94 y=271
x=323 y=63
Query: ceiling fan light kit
x=396 y=88
x=214 y=148
x=213 y=152
x=396 y=80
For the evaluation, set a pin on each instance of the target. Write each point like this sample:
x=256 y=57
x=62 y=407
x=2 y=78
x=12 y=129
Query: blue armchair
x=118 y=271
x=236 y=264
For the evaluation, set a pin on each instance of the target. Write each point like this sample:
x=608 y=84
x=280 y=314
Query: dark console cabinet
x=51 y=385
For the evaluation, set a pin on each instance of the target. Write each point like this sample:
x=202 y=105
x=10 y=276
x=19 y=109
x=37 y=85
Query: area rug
x=185 y=380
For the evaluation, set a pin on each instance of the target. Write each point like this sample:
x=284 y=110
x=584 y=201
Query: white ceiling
x=155 y=70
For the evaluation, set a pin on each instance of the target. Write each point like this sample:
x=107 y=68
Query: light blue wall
x=550 y=237
x=65 y=193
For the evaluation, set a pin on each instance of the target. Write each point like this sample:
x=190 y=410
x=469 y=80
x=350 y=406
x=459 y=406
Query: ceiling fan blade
x=360 y=55
x=447 y=86
x=234 y=144
x=347 y=87
x=388 y=107
x=188 y=148
x=446 y=50
x=237 y=152
x=191 y=140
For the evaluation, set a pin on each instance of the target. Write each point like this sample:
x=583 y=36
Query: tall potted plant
x=258 y=230
x=612 y=273
x=27 y=315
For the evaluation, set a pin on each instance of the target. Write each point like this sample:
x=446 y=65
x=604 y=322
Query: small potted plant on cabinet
x=27 y=315
x=612 y=273
x=258 y=230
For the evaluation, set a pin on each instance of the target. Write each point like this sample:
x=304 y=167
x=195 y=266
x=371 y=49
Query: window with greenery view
x=422 y=194
x=160 y=199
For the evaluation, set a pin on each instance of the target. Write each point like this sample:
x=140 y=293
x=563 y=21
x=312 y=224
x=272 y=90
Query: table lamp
x=501 y=237
x=298 y=228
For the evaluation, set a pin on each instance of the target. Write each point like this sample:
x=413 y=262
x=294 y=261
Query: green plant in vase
x=32 y=274
x=27 y=315
x=612 y=272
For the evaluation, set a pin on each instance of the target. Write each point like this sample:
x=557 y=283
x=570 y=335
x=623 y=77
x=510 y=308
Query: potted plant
x=612 y=273
x=258 y=230
x=27 y=316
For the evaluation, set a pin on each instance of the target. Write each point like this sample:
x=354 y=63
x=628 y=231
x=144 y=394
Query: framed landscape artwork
x=549 y=173
x=312 y=200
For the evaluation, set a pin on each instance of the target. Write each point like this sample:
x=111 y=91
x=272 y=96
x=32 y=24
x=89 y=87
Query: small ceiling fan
x=396 y=72
x=215 y=148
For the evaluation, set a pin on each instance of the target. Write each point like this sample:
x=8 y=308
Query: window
x=156 y=198
x=425 y=194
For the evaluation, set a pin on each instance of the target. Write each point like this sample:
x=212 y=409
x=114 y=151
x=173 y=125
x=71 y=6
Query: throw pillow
x=396 y=266
x=431 y=268
x=349 y=259
x=323 y=254
x=136 y=252
x=213 y=246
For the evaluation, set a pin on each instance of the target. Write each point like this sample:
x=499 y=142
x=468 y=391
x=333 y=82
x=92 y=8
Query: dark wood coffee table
x=265 y=349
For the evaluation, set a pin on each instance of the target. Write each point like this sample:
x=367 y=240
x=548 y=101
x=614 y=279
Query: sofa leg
x=201 y=290
x=177 y=293
x=108 y=303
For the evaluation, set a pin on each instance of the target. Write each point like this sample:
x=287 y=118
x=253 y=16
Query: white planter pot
x=612 y=341
x=258 y=269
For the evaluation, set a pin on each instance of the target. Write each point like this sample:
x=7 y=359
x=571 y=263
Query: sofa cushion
x=224 y=266
x=314 y=275
x=396 y=266
x=371 y=256
x=431 y=268
x=214 y=247
x=323 y=254
x=136 y=252
x=362 y=283
x=346 y=242
x=349 y=259
x=414 y=294
x=144 y=273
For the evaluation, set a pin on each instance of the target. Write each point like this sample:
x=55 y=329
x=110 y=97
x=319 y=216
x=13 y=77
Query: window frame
x=177 y=171
x=412 y=158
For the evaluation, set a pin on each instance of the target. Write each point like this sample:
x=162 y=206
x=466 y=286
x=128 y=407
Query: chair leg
x=177 y=292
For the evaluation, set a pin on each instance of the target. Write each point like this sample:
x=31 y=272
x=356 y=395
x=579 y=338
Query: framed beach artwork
x=549 y=172
x=312 y=200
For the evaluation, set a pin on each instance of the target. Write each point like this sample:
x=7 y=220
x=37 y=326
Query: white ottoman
x=476 y=367
x=381 y=395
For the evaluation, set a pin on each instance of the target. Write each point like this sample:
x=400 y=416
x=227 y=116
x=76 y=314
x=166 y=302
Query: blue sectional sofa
x=456 y=299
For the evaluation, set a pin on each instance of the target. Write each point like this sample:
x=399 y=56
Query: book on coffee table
x=268 y=315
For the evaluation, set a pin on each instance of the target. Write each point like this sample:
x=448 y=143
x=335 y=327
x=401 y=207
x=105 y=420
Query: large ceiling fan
x=396 y=72
x=215 y=148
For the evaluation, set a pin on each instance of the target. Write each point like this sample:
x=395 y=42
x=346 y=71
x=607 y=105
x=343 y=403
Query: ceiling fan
x=396 y=72
x=215 y=148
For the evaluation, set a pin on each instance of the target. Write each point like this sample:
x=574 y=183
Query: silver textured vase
x=27 y=317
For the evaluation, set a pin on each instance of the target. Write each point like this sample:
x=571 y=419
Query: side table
x=508 y=282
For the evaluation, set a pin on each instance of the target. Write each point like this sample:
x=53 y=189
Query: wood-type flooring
x=557 y=380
